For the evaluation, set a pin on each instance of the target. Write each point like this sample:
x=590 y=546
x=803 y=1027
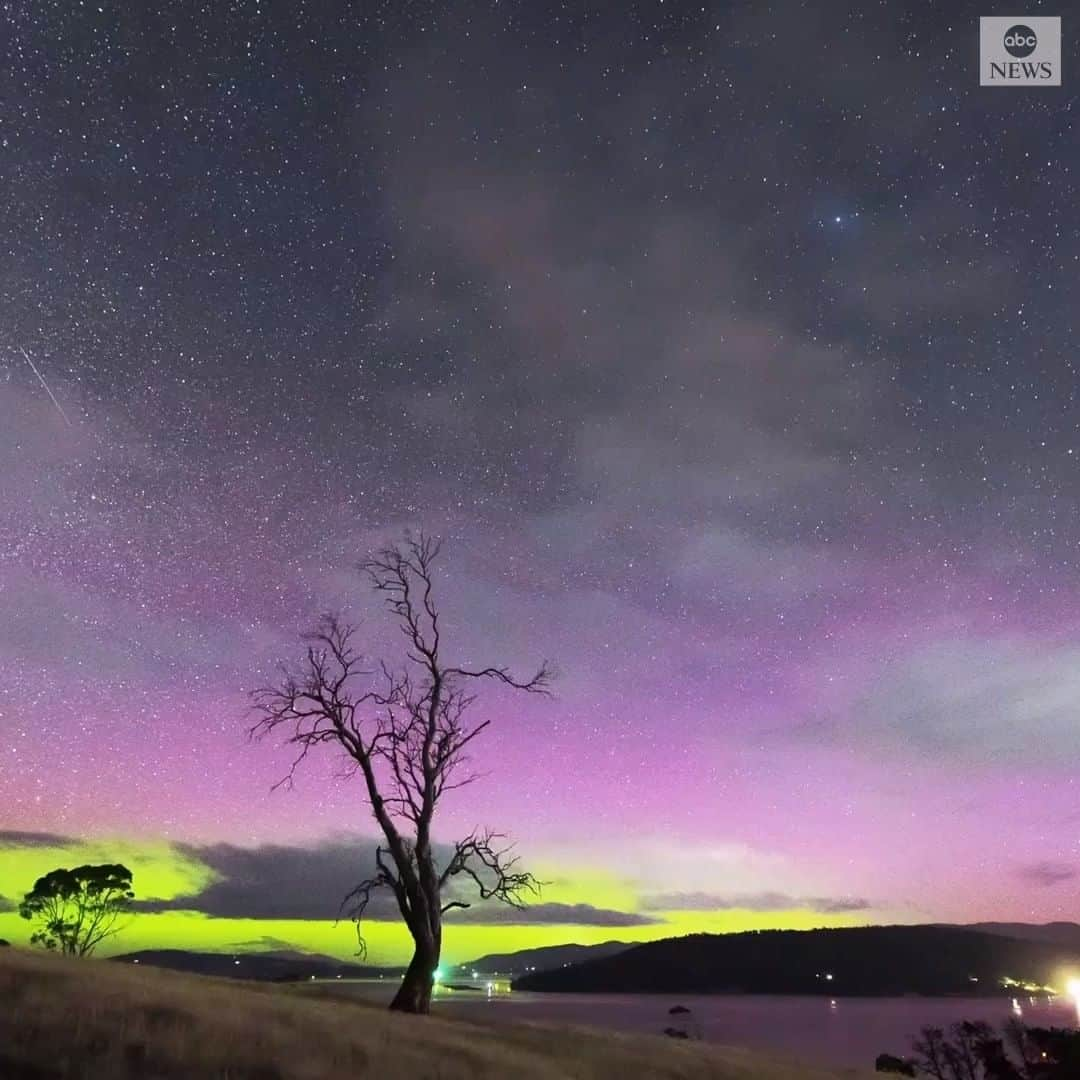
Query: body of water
x=838 y=1032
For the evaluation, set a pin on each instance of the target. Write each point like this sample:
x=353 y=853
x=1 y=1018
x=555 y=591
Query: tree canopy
x=75 y=910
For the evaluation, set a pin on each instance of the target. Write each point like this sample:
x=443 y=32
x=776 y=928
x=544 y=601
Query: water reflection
x=845 y=1032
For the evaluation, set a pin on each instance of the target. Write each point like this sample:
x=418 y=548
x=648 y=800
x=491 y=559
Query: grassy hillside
x=93 y=1020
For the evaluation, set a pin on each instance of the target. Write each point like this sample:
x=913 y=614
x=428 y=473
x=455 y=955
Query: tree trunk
x=414 y=994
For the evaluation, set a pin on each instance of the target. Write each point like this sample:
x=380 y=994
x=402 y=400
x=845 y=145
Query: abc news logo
x=1020 y=52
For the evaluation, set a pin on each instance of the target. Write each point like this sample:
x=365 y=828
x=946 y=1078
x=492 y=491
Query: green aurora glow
x=162 y=872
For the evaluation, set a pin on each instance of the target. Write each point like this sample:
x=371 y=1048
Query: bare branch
x=492 y=869
x=539 y=683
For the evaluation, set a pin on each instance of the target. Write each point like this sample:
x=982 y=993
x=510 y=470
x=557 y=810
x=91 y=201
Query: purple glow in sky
x=743 y=394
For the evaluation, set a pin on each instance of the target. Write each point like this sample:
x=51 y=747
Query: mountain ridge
x=854 y=961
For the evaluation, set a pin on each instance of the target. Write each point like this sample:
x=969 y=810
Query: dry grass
x=89 y=1019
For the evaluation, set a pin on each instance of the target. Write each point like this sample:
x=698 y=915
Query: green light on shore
x=437 y=975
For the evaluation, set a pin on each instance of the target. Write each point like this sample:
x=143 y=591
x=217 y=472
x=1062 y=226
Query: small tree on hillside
x=405 y=728
x=76 y=910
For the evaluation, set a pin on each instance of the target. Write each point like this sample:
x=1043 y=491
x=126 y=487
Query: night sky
x=731 y=349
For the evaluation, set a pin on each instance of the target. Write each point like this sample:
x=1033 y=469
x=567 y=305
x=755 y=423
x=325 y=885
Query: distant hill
x=1064 y=934
x=871 y=960
x=539 y=959
x=279 y=966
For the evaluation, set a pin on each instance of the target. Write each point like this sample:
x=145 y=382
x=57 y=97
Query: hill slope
x=1063 y=934
x=885 y=960
x=64 y=1019
x=254 y=965
x=542 y=958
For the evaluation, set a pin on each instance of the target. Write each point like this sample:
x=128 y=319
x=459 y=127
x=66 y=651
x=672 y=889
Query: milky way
x=730 y=351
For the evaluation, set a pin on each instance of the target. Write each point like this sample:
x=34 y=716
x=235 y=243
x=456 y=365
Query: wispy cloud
x=965 y=701
x=764 y=901
x=16 y=838
x=551 y=913
x=279 y=881
x=1048 y=873
x=310 y=882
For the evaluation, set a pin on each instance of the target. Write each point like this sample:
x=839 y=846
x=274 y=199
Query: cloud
x=679 y=399
x=763 y=901
x=8 y=905
x=280 y=882
x=837 y=905
x=16 y=838
x=267 y=943
x=976 y=702
x=311 y=882
x=553 y=913
x=1048 y=873
x=748 y=563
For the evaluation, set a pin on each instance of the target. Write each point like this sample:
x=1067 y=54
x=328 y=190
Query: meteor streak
x=41 y=379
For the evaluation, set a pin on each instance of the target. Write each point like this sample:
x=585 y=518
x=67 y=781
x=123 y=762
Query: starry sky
x=729 y=347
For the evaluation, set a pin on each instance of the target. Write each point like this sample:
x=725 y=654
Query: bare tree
x=406 y=733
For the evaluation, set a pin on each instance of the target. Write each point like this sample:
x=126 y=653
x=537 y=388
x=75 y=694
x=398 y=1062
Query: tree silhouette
x=78 y=909
x=406 y=733
x=973 y=1050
